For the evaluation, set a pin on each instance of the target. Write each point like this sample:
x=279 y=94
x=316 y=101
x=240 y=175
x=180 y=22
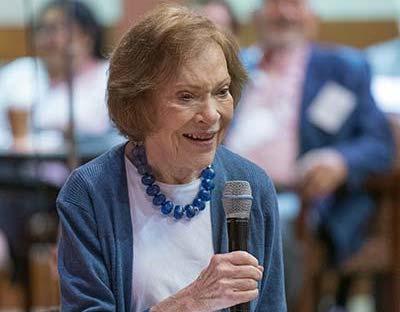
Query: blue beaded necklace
x=167 y=207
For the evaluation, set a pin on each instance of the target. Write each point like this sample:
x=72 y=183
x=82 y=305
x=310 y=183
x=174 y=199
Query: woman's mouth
x=200 y=137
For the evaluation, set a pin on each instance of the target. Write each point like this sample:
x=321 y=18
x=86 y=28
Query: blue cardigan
x=95 y=248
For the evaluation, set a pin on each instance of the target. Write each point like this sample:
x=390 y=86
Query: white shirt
x=25 y=83
x=168 y=254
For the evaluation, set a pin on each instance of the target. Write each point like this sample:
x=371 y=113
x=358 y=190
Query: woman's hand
x=228 y=280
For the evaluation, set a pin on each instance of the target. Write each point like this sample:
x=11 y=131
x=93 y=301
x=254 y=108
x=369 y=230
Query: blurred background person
x=66 y=38
x=308 y=118
x=220 y=13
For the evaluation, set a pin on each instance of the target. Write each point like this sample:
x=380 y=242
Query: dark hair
x=82 y=15
x=150 y=53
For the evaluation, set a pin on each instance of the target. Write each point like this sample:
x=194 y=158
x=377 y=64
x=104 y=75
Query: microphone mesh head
x=236 y=199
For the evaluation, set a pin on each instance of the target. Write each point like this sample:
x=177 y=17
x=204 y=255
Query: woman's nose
x=209 y=113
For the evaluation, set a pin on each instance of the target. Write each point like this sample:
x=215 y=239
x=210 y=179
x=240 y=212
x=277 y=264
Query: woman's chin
x=202 y=160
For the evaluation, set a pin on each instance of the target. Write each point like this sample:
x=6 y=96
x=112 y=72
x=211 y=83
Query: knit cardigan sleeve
x=84 y=278
x=272 y=290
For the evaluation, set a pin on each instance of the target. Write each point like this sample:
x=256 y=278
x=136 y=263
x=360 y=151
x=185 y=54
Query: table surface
x=47 y=145
x=59 y=154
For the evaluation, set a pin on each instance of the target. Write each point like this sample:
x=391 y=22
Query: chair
x=380 y=254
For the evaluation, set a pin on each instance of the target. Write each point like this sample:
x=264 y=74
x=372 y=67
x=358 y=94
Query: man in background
x=308 y=118
x=220 y=13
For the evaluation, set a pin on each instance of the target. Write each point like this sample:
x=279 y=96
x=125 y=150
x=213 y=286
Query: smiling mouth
x=199 y=137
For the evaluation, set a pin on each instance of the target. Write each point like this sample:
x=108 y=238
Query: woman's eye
x=223 y=92
x=185 y=96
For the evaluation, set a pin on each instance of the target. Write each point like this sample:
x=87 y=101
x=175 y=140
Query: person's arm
x=372 y=151
x=321 y=172
x=272 y=293
x=84 y=278
x=352 y=160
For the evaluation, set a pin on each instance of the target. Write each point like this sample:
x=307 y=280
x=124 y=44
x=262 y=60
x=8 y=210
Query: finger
x=202 y=275
x=243 y=284
x=242 y=258
x=245 y=272
x=244 y=296
x=221 y=266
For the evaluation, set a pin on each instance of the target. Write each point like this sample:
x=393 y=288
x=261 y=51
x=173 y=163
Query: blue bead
x=190 y=211
x=152 y=190
x=178 y=212
x=167 y=207
x=159 y=199
x=148 y=179
x=207 y=184
x=208 y=173
x=198 y=203
x=204 y=195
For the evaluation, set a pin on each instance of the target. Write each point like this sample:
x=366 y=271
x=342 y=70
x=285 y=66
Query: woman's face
x=192 y=113
x=53 y=39
x=283 y=22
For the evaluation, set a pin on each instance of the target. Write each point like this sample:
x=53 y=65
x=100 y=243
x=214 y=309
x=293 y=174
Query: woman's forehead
x=209 y=62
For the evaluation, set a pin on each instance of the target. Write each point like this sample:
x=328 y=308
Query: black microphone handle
x=238 y=233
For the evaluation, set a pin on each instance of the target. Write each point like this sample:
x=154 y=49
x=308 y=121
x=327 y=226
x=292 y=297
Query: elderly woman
x=143 y=228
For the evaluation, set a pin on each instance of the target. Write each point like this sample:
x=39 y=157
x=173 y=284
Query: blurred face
x=219 y=15
x=283 y=22
x=192 y=111
x=53 y=40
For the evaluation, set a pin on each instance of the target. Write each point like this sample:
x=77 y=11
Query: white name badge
x=331 y=107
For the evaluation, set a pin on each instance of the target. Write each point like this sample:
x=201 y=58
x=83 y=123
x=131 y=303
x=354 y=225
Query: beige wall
x=358 y=33
x=13 y=39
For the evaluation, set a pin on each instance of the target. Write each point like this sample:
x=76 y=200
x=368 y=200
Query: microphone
x=236 y=200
